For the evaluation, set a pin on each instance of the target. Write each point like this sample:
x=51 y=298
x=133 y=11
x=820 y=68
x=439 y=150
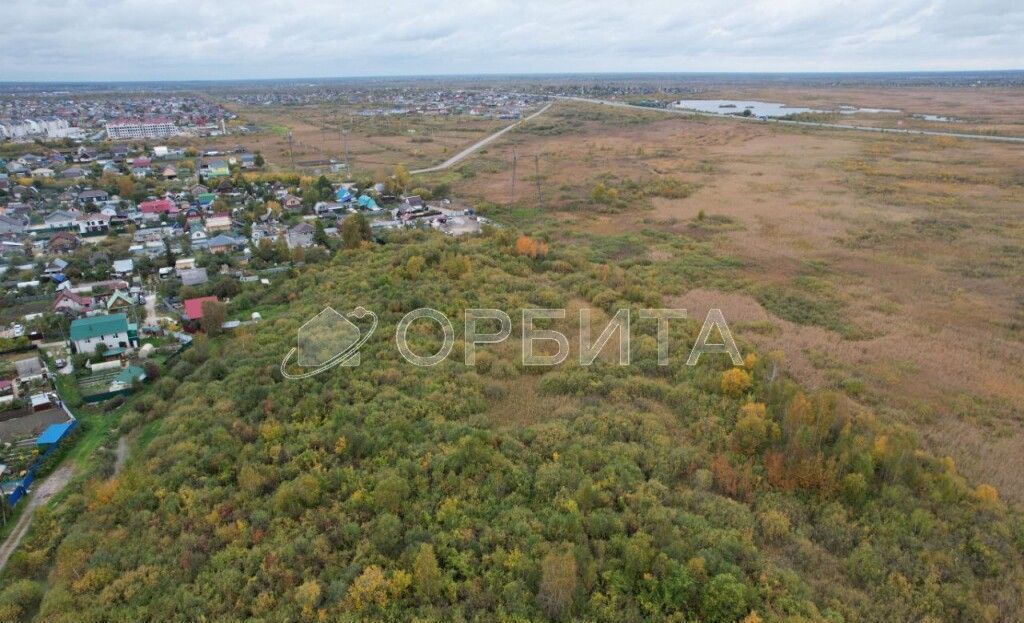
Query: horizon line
x=521 y=75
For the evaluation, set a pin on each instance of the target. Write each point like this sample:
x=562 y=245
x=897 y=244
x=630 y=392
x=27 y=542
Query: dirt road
x=462 y=155
x=43 y=493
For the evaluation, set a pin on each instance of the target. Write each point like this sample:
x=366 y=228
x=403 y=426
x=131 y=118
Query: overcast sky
x=225 y=39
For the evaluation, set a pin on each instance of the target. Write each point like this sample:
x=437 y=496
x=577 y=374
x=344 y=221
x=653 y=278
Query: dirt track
x=43 y=493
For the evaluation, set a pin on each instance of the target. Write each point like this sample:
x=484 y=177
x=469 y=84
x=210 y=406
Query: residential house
x=72 y=304
x=63 y=242
x=42 y=172
x=222 y=243
x=122 y=268
x=300 y=236
x=291 y=203
x=193 y=276
x=194 y=308
x=92 y=224
x=93 y=196
x=214 y=168
x=218 y=222
x=205 y=200
x=119 y=300
x=55 y=267
x=268 y=231
x=153 y=210
x=326 y=208
x=73 y=173
x=61 y=219
x=112 y=330
x=11 y=225
x=197 y=234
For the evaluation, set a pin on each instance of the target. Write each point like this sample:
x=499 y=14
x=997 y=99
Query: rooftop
x=98 y=326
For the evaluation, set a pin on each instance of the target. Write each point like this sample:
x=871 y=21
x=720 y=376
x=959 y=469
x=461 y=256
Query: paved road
x=815 y=124
x=42 y=493
x=462 y=155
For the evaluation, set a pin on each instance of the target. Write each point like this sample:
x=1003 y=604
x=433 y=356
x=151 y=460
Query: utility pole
x=344 y=144
x=536 y=176
x=291 y=148
x=513 y=200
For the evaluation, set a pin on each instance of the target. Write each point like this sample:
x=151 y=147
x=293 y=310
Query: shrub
x=774 y=525
x=735 y=381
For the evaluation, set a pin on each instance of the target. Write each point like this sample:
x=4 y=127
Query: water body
x=765 y=109
x=935 y=118
x=736 y=107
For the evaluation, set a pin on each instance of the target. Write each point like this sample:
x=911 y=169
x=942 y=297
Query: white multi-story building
x=51 y=128
x=135 y=129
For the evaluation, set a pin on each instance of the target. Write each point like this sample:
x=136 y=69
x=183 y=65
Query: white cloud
x=182 y=39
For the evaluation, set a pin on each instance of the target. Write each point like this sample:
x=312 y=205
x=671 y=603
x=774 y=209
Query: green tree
x=427 y=578
x=214 y=313
x=354 y=230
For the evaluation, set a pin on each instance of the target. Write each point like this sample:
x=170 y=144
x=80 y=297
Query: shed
x=55 y=433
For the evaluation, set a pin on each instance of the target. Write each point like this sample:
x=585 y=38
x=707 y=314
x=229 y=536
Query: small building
x=193 y=276
x=218 y=222
x=194 y=307
x=55 y=433
x=123 y=268
x=41 y=402
x=112 y=330
x=300 y=236
x=29 y=369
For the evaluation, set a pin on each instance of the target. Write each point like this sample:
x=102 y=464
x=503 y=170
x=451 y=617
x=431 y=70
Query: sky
x=73 y=40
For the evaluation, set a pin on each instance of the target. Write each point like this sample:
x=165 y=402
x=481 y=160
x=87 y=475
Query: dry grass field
x=890 y=268
x=375 y=144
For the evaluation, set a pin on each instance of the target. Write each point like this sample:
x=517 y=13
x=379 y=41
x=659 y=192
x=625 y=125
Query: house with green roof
x=112 y=330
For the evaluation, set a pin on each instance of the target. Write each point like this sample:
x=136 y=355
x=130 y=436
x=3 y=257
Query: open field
x=375 y=144
x=887 y=267
x=980 y=111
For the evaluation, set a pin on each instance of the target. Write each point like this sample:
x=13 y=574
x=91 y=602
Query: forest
x=498 y=492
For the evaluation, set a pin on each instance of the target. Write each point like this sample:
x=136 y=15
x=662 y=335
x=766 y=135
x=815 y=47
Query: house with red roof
x=194 y=307
x=151 y=210
x=71 y=303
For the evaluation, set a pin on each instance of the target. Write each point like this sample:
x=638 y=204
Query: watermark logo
x=327 y=340
x=332 y=339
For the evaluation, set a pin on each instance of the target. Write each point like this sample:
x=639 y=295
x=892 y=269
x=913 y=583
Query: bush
x=736 y=381
x=774 y=525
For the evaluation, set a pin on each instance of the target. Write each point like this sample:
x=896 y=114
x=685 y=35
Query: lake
x=765 y=109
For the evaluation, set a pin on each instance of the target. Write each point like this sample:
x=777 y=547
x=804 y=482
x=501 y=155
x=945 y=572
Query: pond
x=765 y=109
